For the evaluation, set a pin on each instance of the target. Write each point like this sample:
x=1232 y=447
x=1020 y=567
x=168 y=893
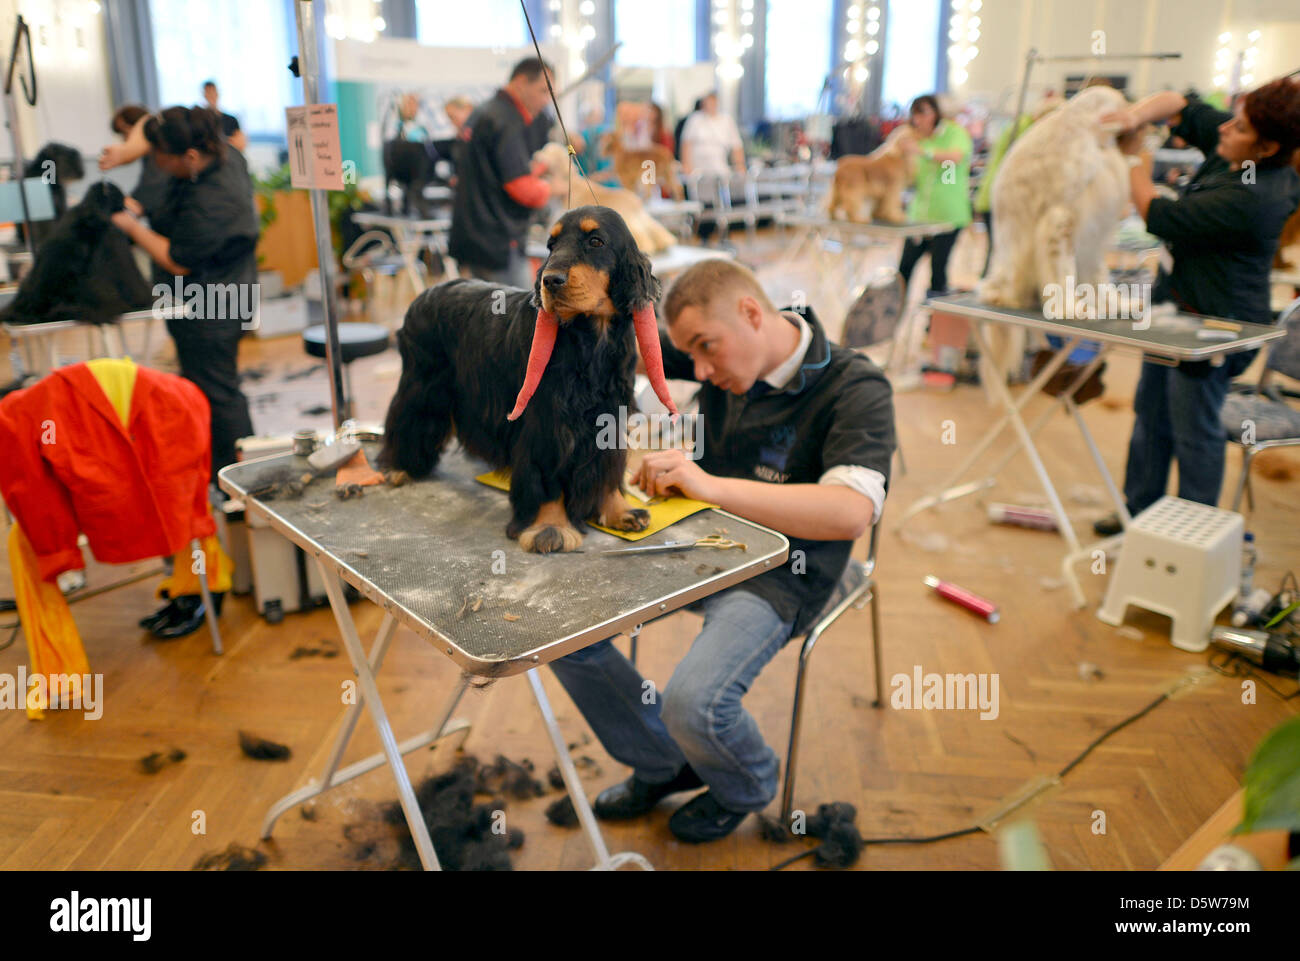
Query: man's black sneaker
x=634 y=797
x=702 y=819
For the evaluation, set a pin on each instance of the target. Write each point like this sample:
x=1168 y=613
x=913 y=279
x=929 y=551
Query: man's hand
x=671 y=471
x=133 y=205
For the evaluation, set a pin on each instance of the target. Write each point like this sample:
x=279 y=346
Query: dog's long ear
x=632 y=284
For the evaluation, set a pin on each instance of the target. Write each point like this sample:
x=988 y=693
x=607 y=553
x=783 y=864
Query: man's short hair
x=700 y=285
x=209 y=83
x=531 y=68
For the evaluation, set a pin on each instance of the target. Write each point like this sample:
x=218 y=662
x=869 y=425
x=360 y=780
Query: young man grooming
x=797 y=435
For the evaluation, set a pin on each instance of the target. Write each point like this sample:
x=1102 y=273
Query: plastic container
x=1038 y=518
x=1248 y=558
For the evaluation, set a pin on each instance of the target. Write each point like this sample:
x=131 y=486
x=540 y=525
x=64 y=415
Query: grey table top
x=1173 y=335
x=371 y=218
x=876 y=228
x=421 y=550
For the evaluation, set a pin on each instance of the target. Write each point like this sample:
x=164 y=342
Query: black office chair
x=355 y=340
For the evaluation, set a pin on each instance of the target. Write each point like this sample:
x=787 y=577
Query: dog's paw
x=549 y=539
x=632 y=519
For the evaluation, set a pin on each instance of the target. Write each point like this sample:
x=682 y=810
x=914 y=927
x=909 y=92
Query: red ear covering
x=647 y=338
x=543 y=343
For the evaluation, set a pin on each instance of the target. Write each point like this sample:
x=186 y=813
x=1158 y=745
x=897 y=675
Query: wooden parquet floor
x=72 y=794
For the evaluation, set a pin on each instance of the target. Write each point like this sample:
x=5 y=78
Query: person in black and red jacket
x=1221 y=234
x=498 y=188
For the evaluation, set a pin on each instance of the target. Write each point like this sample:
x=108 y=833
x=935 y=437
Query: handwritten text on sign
x=315 y=157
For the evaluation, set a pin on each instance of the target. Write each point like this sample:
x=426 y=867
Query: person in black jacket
x=1221 y=235
x=497 y=187
x=203 y=240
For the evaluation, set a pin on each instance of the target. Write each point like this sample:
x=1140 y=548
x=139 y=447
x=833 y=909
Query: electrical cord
x=1232 y=665
x=976 y=829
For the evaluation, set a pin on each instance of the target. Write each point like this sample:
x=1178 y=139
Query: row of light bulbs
x=963 y=33
x=862 y=44
x=354 y=20
x=733 y=36
x=1223 y=60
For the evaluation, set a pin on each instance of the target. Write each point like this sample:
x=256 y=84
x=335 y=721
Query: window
x=912 y=51
x=658 y=34
x=471 y=23
x=798 y=47
x=243 y=46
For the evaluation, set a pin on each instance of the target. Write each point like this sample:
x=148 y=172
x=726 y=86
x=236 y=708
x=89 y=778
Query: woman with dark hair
x=149 y=192
x=942 y=188
x=202 y=237
x=1221 y=236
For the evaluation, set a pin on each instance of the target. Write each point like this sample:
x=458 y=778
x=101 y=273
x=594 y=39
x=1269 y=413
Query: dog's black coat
x=85 y=270
x=463 y=364
x=410 y=164
x=59 y=165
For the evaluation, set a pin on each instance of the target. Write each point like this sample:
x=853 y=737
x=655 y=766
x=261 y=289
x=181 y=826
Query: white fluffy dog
x=1059 y=195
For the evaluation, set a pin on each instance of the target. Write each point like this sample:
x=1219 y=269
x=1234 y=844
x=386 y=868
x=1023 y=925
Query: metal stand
x=21 y=33
x=1032 y=57
x=309 y=66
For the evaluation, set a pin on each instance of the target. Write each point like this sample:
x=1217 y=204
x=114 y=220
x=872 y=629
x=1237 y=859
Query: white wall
x=74 y=102
x=1060 y=27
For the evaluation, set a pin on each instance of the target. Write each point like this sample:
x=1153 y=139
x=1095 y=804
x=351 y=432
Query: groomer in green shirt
x=942 y=189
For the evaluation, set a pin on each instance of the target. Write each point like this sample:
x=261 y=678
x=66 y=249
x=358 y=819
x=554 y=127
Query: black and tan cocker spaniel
x=473 y=359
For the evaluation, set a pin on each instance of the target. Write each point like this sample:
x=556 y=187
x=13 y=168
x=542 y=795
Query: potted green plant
x=1272 y=784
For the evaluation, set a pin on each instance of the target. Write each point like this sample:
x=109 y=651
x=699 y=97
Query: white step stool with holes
x=1180 y=559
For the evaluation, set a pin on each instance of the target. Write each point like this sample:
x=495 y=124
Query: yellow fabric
x=116 y=378
x=663 y=514
x=53 y=644
x=184 y=580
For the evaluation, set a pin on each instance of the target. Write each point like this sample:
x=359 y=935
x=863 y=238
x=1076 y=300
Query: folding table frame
x=1167 y=340
x=380 y=545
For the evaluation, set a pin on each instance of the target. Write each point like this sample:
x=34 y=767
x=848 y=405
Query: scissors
x=713 y=540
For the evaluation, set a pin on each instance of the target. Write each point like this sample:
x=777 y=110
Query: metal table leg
x=604 y=861
x=1013 y=412
x=949 y=490
x=370 y=691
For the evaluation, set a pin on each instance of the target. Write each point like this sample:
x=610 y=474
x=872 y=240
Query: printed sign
x=315 y=157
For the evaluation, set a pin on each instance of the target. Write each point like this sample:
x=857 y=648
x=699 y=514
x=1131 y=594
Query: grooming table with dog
x=1166 y=338
x=411 y=236
x=838 y=252
x=426 y=552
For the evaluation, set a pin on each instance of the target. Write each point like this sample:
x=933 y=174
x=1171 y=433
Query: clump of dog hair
x=466 y=836
x=155 y=762
x=260 y=749
x=236 y=857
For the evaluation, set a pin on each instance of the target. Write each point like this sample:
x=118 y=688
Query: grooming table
x=838 y=251
x=425 y=551
x=1168 y=339
x=411 y=236
x=40 y=348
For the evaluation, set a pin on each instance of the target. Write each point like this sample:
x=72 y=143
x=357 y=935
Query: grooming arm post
x=308 y=58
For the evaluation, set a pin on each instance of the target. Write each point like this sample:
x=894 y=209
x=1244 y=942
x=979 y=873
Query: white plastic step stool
x=1180 y=559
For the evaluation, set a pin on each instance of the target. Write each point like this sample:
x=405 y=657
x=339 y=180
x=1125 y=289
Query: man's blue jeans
x=698 y=719
x=1178 y=416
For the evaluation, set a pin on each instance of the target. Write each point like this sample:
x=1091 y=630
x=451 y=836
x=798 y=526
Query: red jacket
x=67 y=466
